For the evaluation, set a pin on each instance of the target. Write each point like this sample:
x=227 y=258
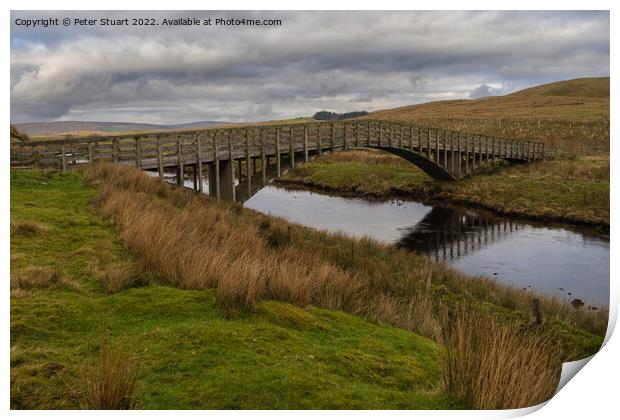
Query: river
x=554 y=259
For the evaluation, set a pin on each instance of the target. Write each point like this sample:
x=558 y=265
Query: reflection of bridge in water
x=448 y=233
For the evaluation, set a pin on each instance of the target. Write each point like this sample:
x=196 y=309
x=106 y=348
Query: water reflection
x=447 y=233
x=552 y=259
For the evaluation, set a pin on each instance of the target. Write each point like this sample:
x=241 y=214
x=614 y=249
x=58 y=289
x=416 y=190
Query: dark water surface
x=552 y=259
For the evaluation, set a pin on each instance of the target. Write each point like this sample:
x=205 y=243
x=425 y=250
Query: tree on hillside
x=333 y=116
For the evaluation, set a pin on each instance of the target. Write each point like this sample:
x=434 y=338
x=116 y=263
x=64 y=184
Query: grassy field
x=191 y=353
x=564 y=190
x=187 y=296
x=572 y=115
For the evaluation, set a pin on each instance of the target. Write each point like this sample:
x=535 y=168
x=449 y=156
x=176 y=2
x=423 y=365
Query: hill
x=572 y=115
x=85 y=128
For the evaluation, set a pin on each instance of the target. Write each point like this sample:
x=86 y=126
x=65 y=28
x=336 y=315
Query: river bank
x=563 y=191
x=187 y=243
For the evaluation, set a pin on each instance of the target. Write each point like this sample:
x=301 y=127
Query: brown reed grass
x=194 y=242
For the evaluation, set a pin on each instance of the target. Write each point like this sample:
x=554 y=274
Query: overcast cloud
x=337 y=61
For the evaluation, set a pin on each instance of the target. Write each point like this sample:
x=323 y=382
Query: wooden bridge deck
x=443 y=154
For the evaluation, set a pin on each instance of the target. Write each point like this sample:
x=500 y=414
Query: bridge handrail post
x=198 y=140
x=63 y=158
x=278 y=167
x=344 y=136
x=318 y=139
x=466 y=153
x=90 y=153
x=460 y=155
x=160 y=167
x=292 y=147
x=263 y=163
x=138 y=156
x=248 y=168
x=333 y=137
x=231 y=162
x=305 y=143
x=181 y=169
x=216 y=159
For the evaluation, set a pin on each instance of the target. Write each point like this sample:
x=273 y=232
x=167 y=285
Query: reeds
x=110 y=384
x=194 y=242
x=497 y=365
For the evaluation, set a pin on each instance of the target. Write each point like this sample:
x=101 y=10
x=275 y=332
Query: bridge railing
x=165 y=149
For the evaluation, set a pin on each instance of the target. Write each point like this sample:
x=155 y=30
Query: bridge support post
x=248 y=163
x=180 y=174
x=466 y=154
x=160 y=165
x=292 y=147
x=306 y=143
x=138 y=157
x=214 y=171
x=278 y=164
x=198 y=166
x=445 y=151
x=460 y=153
x=90 y=153
x=263 y=159
x=452 y=152
x=222 y=180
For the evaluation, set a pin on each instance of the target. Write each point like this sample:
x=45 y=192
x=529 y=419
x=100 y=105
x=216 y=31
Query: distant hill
x=571 y=114
x=85 y=128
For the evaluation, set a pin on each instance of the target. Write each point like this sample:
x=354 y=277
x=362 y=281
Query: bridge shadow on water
x=448 y=233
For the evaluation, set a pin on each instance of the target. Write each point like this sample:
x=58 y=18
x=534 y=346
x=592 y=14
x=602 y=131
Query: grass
x=565 y=190
x=110 y=384
x=192 y=242
x=507 y=369
x=192 y=354
x=572 y=115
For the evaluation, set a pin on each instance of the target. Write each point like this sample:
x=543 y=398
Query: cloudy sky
x=338 y=61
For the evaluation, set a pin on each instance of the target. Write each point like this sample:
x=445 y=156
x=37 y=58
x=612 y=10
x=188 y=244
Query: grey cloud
x=315 y=60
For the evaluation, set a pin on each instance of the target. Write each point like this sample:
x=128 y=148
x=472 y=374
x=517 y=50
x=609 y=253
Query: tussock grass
x=36 y=277
x=194 y=242
x=118 y=276
x=498 y=365
x=27 y=227
x=110 y=384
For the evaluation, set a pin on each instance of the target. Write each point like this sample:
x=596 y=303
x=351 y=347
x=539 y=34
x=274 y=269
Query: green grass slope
x=191 y=356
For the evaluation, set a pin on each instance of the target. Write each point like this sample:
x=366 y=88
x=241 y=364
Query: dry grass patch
x=33 y=277
x=110 y=384
x=498 y=365
x=118 y=276
x=193 y=242
x=28 y=227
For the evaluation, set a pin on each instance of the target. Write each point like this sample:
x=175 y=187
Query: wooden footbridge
x=263 y=153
